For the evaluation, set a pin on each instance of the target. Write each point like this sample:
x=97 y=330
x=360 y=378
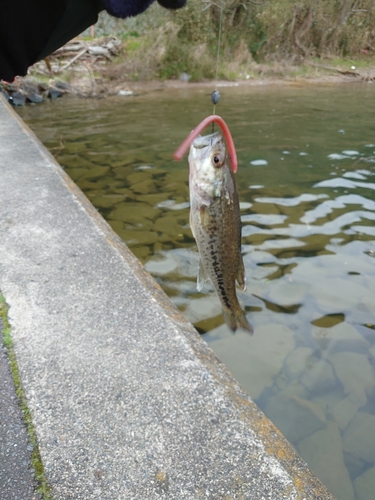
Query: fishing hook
x=179 y=153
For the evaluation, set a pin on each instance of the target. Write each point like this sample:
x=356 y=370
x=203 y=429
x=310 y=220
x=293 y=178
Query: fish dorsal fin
x=241 y=278
x=202 y=276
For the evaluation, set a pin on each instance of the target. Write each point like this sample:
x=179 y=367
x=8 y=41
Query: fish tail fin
x=237 y=319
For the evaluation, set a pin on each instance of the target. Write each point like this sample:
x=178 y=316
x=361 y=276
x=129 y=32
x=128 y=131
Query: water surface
x=306 y=184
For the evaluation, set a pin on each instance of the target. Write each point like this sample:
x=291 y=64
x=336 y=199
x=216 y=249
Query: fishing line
x=215 y=96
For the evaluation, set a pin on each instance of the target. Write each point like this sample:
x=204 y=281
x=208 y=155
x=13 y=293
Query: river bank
x=99 y=67
x=34 y=90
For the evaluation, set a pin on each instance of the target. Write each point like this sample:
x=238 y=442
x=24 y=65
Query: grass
x=36 y=461
x=347 y=63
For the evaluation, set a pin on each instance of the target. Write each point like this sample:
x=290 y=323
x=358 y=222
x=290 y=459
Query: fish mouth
x=203 y=141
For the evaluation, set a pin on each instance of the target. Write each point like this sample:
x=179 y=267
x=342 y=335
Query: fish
x=216 y=225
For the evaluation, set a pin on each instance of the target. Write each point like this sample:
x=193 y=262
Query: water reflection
x=306 y=183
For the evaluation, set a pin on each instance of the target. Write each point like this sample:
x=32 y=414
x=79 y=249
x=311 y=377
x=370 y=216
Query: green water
x=308 y=211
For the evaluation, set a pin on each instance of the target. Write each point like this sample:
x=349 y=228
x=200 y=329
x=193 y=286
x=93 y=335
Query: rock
x=327 y=400
x=297 y=361
x=125 y=92
x=333 y=294
x=202 y=308
x=319 y=376
x=133 y=212
x=35 y=98
x=295 y=388
x=341 y=337
x=284 y=293
x=116 y=225
x=17 y=99
x=167 y=226
x=364 y=485
x=63 y=85
x=359 y=437
x=29 y=87
x=42 y=87
x=354 y=371
x=323 y=453
x=162 y=266
x=86 y=185
x=344 y=411
x=174 y=204
x=107 y=200
x=296 y=418
x=184 y=77
x=141 y=252
x=134 y=237
x=53 y=93
x=177 y=189
x=354 y=465
x=137 y=177
x=145 y=187
x=259 y=257
x=257 y=360
x=95 y=171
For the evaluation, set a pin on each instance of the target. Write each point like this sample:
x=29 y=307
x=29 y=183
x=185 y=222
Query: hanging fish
x=216 y=225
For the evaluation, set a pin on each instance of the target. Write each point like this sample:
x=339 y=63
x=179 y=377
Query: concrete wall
x=127 y=400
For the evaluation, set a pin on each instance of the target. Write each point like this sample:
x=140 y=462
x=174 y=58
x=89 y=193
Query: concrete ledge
x=127 y=400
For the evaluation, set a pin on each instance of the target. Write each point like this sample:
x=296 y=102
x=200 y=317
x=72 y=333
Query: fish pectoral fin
x=191 y=220
x=241 y=278
x=205 y=218
x=202 y=276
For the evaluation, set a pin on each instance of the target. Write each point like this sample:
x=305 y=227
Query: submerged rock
x=319 y=376
x=296 y=418
x=297 y=361
x=341 y=337
x=344 y=411
x=365 y=485
x=145 y=187
x=359 y=437
x=323 y=452
x=354 y=465
x=354 y=371
x=257 y=360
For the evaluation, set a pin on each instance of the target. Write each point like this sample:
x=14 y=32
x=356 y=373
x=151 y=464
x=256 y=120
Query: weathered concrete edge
x=275 y=444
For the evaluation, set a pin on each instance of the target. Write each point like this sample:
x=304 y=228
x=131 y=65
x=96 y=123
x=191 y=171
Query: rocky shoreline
x=33 y=90
x=23 y=91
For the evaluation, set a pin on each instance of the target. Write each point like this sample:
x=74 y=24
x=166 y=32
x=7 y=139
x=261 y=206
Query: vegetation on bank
x=256 y=35
x=36 y=461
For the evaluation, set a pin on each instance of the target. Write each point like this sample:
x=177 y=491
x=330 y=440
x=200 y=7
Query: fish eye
x=217 y=160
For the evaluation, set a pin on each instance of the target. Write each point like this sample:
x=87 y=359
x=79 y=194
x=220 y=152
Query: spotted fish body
x=216 y=225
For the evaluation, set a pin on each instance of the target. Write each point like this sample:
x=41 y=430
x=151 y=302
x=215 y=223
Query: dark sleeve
x=30 y=30
x=25 y=27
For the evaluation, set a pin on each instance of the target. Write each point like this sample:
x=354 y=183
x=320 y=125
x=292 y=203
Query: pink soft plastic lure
x=179 y=153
